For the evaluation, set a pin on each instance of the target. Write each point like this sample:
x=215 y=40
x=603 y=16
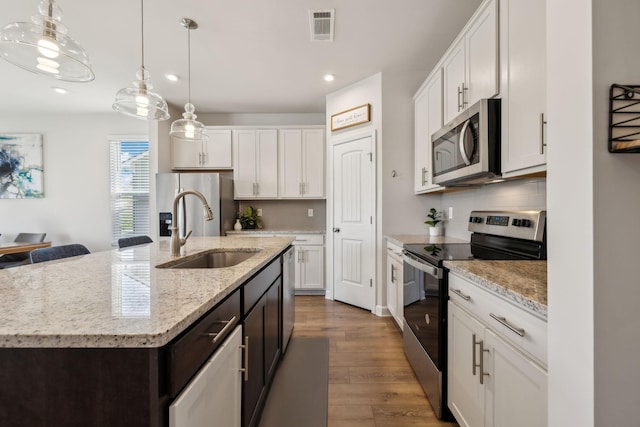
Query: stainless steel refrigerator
x=217 y=187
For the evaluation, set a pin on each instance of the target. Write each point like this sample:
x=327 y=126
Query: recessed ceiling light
x=329 y=77
x=172 y=77
x=60 y=90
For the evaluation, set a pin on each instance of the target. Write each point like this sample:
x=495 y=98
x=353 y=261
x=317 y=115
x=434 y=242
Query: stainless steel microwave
x=467 y=150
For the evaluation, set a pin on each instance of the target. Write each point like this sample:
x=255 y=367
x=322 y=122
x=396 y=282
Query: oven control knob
x=516 y=222
x=475 y=219
x=526 y=223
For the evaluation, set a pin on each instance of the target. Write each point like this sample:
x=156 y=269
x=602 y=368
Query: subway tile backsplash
x=520 y=194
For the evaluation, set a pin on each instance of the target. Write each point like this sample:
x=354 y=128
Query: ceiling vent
x=321 y=25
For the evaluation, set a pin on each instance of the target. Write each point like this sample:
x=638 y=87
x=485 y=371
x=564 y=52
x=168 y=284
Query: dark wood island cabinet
x=76 y=386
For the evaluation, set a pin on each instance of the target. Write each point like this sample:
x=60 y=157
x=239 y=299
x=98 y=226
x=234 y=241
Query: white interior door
x=353 y=208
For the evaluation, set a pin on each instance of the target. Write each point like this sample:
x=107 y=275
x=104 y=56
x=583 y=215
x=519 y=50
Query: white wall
x=273 y=119
x=76 y=206
x=616 y=208
x=570 y=203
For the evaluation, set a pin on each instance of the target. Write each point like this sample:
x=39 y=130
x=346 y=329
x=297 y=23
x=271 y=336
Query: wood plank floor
x=371 y=383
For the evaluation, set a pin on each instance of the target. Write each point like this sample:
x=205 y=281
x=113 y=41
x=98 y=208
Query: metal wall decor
x=624 y=118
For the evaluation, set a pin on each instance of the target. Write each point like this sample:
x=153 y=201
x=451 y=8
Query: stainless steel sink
x=213 y=259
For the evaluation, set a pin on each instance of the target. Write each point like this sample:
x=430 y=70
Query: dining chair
x=58 y=252
x=124 y=242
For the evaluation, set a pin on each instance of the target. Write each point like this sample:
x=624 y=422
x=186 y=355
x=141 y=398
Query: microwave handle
x=465 y=127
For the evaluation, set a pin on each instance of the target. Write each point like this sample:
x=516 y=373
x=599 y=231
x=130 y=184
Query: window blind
x=129 y=165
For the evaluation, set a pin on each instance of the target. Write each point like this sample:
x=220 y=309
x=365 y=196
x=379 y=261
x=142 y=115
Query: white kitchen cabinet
x=427 y=120
x=470 y=66
x=215 y=393
x=255 y=163
x=496 y=360
x=403 y=283
x=309 y=260
x=309 y=267
x=214 y=153
x=301 y=163
x=395 y=276
x=523 y=74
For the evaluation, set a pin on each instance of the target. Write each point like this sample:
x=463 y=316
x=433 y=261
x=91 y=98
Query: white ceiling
x=249 y=56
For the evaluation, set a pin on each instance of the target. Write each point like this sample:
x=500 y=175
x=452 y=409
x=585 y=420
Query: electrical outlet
x=259 y=212
x=309 y=212
x=450 y=213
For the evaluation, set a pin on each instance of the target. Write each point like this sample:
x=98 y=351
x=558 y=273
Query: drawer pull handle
x=460 y=294
x=227 y=325
x=246 y=358
x=504 y=321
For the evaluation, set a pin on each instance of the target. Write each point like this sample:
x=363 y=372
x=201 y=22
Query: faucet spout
x=176 y=241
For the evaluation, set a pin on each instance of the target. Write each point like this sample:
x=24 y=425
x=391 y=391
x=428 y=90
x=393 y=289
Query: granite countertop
x=118 y=298
x=271 y=232
x=408 y=239
x=523 y=283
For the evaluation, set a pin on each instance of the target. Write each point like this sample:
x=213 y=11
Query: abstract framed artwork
x=21 y=170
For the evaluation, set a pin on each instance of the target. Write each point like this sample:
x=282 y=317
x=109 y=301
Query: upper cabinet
x=470 y=66
x=255 y=163
x=301 y=163
x=428 y=119
x=523 y=59
x=214 y=153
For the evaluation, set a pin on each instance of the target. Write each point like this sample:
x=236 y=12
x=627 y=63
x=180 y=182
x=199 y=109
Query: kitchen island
x=89 y=340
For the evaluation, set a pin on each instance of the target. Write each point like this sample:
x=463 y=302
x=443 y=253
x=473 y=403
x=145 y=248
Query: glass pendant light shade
x=188 y=128
x=138 y=101
x=43 y=46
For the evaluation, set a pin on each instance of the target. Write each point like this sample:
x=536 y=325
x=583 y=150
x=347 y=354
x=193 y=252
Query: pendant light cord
x=189 y=58
x=142 y=29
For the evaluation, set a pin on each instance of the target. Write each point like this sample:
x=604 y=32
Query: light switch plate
x=309 y=212
x=259 y=212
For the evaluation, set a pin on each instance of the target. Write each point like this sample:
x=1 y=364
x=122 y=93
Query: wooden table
x=16 y=247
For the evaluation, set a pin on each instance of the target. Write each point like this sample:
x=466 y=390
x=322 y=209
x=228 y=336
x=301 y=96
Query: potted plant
x=249 y=219
x=434 y=218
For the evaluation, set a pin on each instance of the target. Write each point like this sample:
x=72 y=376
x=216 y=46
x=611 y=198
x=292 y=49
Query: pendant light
x=138 y=101
x=188 y=128
x=43 y=46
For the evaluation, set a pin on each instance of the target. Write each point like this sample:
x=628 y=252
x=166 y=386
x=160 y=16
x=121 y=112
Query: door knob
x=336 y=230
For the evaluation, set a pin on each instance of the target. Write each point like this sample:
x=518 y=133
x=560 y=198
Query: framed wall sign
x=21 y=171
x=352 y=117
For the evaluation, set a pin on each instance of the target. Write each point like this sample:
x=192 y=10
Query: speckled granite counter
x=524 y=283
x=408 y=239
x=119 y=298
x=273 y=232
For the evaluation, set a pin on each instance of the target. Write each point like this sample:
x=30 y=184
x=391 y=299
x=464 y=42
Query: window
x=129 y=160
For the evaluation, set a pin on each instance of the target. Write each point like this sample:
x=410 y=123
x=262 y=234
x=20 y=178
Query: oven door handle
x=415 y=262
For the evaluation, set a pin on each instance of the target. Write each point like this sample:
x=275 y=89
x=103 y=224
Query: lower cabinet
x=215 y=393
x=262 y=328
x=403 y=284
x=491 y=380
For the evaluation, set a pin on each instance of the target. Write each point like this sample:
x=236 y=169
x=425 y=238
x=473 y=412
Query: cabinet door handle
x=227 y=325
x=393 y=274
x=460 y=294
x=543 y=142
x=199 y=159
x=424 y=173
x=257 y=188
x=464 y=89
x=481 y=365
x=505 y=322
x=474 y=343
x=459 y=102
x=245 y=347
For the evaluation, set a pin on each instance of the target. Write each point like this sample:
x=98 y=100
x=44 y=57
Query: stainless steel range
x=496 y=235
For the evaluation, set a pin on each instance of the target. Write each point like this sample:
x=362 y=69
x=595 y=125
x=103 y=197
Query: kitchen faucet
x=176 y=241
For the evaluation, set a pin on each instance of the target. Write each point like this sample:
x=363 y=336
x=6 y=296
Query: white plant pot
x=436 y=231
